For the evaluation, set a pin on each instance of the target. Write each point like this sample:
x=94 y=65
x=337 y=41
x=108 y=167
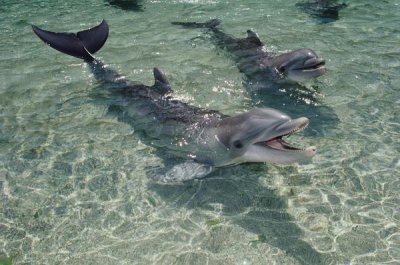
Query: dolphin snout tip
x=312 y=151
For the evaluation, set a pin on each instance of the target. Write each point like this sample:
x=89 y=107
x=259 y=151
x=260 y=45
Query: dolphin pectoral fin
x=81 y=45
x=182 y=172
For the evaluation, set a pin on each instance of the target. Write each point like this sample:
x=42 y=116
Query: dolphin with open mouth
x=203 y=139
x=256 y=62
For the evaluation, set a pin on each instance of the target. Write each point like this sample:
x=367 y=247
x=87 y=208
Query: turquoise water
x=73 y=187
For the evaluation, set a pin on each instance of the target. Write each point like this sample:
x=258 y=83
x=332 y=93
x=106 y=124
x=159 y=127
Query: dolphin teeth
x=315 y=66
x=300 y=128
x=280 y=144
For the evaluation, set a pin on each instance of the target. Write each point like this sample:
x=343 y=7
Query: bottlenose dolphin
x=266 y=76
x=204 y=139
x=257 y=63
x=324 y=11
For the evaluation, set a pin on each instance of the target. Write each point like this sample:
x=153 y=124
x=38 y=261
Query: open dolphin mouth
x=279 y=143
x=313 y=64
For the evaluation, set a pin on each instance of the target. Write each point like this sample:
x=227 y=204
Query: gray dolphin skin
x=202 y=139
x=257 y=63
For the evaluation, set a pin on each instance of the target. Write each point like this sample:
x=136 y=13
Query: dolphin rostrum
x=256 y=63
x=203 y=139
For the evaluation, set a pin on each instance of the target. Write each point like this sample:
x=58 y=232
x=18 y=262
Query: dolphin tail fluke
x=81 y=45
x=208 y=24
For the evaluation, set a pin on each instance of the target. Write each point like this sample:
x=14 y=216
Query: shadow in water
x=324 y=11
x=246 y=203
x=128 y=5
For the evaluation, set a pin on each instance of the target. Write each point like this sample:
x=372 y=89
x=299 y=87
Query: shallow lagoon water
x=73 y=187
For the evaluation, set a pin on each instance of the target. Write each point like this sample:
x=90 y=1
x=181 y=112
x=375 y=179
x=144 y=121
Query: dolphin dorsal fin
x=253 y=38
x=161 y=83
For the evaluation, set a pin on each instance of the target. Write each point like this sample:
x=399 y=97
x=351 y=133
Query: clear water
x=73 y=187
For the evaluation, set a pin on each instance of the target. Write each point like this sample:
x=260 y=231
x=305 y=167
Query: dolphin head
x=299 y=65
x=256 y=136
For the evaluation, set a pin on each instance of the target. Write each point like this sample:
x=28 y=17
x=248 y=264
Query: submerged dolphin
x=256 y=63
x=203 y=138
x=324 y=11
x=128 y=5
x=266 y=75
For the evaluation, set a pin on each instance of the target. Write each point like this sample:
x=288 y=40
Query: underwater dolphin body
x=257 y=63
x=268 y=79
x=128 y=5
x=324 y=11
x=204 y=139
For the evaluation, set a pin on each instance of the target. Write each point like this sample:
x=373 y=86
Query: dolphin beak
x=295 y=125
x=314 y=63
x=285 y=129
x=276 y=149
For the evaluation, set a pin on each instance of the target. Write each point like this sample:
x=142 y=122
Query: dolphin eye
x=237 y=144
x=282 y=69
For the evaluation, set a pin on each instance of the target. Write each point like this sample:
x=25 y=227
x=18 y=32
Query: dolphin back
x=81 y=45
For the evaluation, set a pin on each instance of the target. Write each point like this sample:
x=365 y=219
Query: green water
x=73 y=187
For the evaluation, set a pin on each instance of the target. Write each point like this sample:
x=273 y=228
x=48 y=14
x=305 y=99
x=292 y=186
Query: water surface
x=73 y=184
